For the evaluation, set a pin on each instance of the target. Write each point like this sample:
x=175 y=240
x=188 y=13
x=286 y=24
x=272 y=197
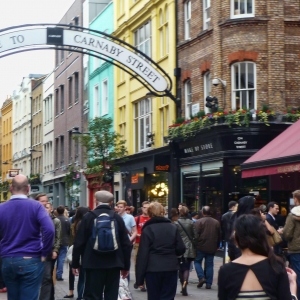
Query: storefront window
x=191 y=189
x=159 y=189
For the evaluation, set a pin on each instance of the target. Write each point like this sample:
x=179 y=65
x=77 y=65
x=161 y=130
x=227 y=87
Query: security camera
x=215 y=81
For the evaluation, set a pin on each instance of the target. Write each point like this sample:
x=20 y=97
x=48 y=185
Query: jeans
x=208 y=265
x=295 y=265
x=23 y=277
x=60 y=261
x=81 y=283
x=161 y=285
x=47 y=288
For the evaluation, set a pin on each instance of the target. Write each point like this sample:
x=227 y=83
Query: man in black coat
x=102 y=270
x=225 y=220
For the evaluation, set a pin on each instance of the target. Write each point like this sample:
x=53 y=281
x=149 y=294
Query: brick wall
x=271 y=39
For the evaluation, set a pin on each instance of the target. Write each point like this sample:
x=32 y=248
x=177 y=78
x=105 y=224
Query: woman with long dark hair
x=80 y=212
x=245 y=206
x=257 y=273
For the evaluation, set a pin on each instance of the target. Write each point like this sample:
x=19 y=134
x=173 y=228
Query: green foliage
x=72 y=180
x=102 y=146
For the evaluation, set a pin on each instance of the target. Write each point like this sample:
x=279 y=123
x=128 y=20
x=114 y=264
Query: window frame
x=247 y=89
x=187 y=19
x=188 y=105
x=206 y=21
x=96 y=97
x=104 y=88
x=232 y=10
x=206 y=89
x=137 y=43
x=139 y=144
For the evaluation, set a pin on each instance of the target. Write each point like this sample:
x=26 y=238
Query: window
x=188 y=99
x=164 y=118
x=242 y=8
x=207 y=89
x=142 y=121
x=62 y=150
x=187 y=19
x=167 y=29
x=70 y=147
x=161 y=34
x=62 y=52
x=57 y=152
x=96 y=102
x=243 y=77
x=62 y=98
x=76 y=75
x=70 y=90
x=121 y=7
x=56 y=102
x=206 y=14
x=142 y=39
x=104 y=97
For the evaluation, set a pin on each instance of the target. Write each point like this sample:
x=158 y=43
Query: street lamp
x=33 y=150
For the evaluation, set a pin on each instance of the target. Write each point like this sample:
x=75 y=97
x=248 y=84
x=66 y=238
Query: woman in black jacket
x=257 y=273
x=157 y=261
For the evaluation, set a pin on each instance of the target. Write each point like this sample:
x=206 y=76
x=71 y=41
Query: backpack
x=105 y=233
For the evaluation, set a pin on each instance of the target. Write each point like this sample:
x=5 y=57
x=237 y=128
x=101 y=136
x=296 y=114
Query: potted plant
x=265 y=115
x=238 y=117
x=292 y=114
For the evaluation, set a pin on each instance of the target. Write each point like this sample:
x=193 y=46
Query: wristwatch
x=294 y=297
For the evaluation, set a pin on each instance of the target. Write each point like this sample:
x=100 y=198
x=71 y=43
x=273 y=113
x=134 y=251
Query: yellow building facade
x=6 y=136
x=149 y=26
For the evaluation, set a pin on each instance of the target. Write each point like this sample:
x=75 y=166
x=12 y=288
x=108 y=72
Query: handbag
x=69 y=255
x=192 y=240
x=274 y=239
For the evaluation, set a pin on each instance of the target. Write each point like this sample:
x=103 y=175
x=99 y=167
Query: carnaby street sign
x=97 y=43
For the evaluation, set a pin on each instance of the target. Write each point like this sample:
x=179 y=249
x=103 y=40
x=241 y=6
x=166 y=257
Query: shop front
x=145 y=177
x=209 y=166
x=279 y=163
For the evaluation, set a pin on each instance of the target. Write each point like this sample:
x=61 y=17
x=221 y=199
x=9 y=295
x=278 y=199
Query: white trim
x=239 y=89
x=206 y=83
x=205 y=19
x=104 y=96
x=96 y=100
x=187 y=95
x=237 y=16
x=187 y=19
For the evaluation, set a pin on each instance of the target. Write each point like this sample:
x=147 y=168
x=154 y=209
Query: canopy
x=281 y=155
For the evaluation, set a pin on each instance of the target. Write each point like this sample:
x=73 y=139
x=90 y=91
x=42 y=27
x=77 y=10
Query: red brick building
x=252 y=45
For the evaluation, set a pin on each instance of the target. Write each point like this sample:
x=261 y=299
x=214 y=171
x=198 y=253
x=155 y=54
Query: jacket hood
x=296 y=211
x=156 y=220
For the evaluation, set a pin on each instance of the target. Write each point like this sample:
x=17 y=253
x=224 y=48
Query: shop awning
x=281 y=155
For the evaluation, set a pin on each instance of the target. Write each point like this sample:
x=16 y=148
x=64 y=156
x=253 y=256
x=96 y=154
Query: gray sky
x=17 y=12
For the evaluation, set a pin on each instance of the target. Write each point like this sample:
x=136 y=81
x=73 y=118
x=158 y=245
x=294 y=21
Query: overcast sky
x=17 y=12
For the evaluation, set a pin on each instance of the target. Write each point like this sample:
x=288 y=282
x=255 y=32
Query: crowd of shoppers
x=164 y=248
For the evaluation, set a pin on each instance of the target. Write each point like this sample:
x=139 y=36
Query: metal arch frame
x=167 y=92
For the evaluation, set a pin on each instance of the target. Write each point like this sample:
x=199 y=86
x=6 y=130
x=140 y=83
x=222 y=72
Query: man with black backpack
x=102 y=243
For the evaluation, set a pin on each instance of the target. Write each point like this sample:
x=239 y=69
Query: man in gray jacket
x=209 y=234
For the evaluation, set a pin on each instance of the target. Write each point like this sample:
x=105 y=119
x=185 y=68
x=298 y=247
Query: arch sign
x=150 y=73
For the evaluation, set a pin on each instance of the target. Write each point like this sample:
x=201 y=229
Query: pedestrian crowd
x=261 y=252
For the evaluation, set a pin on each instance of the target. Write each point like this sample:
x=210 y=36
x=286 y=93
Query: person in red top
x=140 y=221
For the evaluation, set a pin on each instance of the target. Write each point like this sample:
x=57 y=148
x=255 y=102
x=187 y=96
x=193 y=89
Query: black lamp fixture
x=33 y=150
x=75 y=130
x=5 y=163
x=212 y=103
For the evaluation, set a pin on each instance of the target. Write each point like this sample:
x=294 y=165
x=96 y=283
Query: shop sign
x=288 y=168
x=13 y=173
x=162 y=163
x=137 y=178
x=34 y=188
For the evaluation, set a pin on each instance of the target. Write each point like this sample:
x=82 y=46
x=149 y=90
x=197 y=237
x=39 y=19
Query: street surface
x=62 y=287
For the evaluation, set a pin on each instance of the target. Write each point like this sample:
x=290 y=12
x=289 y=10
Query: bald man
x=102 y=270
x=23 y=248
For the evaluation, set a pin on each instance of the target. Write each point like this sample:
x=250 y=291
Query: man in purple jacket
x=23 y=247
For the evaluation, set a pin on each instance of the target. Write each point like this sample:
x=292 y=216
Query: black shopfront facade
x=207 y=167
x=146 y=177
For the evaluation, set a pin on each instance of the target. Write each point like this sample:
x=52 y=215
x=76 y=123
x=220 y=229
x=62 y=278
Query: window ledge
x=163 y=58
x=70 y=107
x=121 y=16
x=121 y=83
x=243 y=21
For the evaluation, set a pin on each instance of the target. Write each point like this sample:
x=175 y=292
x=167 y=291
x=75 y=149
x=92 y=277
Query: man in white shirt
x=129 y=222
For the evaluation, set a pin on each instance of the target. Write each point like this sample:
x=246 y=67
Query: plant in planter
x=265 y=115
x=219 y=117
x=34 y=179
x=238 y=117
x=292 y=114
x=206 y=121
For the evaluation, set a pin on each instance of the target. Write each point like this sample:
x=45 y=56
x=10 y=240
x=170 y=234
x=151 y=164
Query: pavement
x=62 y=287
